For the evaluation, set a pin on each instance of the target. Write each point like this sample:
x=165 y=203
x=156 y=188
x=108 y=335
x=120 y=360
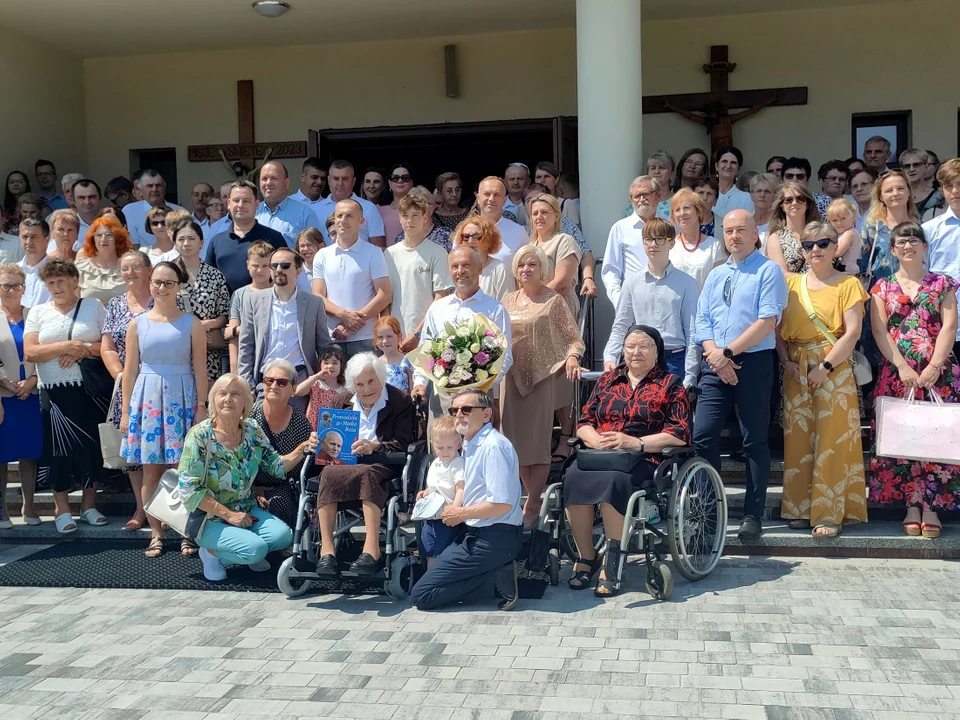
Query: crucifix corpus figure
x=712 y=109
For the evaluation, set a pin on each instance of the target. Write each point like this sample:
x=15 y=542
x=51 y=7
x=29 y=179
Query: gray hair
x=768 y=178
x=140 y=255
x=285 y=366
x=664 y=158
x=645 y=180
x=149 y=174
x=922 y=154
x=483 y=399
x=71 y=178
x=360 y=362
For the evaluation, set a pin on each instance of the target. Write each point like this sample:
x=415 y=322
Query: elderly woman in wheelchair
x=636 y=412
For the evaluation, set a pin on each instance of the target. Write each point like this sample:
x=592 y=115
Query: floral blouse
x=884 y=263
x=658 y=404
x=230 y=474
x=209 y=299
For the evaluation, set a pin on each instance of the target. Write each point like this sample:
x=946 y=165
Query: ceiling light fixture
x=271 y=8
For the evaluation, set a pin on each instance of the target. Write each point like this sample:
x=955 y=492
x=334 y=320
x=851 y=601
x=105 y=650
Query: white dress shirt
x=34 y=291
x=283 y=339
x=136 y=213
x=372 y=220
x=943 y=237
x=368 y=420
x=512 y=238
x=451 y=309
x=624 y=256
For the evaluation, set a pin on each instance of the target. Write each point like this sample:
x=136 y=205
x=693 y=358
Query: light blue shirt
x=736 y=296
x=491 y=473
x=289 y=219
x=943 y=238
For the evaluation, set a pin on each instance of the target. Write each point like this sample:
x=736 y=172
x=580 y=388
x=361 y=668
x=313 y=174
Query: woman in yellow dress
x=823 y=479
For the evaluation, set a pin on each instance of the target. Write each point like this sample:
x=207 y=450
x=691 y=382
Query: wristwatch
x=728 y=353
x=827 y=365
x=416 y=334
x=643 y=445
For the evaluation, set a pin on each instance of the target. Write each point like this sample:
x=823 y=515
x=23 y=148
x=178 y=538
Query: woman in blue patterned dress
x=221 y=459
x=121 y=310
x=164 y=374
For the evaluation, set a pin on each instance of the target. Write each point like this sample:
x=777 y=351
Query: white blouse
x=53 y=326
x=697 y=263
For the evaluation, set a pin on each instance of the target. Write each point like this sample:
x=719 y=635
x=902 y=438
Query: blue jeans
x=676 y=362
x=751 y=395
x=246 y=546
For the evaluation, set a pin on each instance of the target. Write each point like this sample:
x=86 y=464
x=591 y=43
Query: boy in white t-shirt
x=445 y=476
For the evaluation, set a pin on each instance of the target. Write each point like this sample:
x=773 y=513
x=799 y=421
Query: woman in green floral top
x=238 y=532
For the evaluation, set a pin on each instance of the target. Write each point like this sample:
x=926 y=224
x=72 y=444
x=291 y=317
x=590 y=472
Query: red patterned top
x=658 y=404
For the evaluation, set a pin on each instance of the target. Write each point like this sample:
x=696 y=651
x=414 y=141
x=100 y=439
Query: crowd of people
x=214 y=338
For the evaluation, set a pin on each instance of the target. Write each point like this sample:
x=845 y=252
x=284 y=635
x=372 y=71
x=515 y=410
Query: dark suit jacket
x=396 y=422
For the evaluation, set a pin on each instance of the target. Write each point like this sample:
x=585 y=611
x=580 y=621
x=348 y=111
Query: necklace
x=696 y=245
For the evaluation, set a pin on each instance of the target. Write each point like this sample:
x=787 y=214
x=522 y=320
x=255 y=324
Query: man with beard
x=624 y=255
x=313 y=184
x=282 y=323
x=154 y=190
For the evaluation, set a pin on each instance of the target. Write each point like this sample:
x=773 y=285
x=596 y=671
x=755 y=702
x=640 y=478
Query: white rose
x=437 y=371
x=463 y=332
x=482 y=375
x=464 y=358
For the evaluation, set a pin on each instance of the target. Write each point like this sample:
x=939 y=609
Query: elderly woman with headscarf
x=387 y=423
x=638 y=406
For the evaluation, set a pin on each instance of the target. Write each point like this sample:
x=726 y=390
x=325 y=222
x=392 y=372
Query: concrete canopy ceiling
x=103 y=28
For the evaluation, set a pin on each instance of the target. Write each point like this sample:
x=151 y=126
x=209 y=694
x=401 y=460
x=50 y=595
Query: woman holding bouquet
x=544 y=338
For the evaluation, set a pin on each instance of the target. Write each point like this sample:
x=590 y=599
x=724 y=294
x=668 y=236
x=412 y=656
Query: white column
x=610 y=112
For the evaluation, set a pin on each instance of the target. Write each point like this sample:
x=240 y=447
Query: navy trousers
x=751 y=395
x=466 y=570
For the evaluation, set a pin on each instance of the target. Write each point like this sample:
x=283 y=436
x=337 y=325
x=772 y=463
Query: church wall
x=43 y=108
x=852 y=59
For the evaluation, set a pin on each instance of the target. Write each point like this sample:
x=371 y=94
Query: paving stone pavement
x=760 y=639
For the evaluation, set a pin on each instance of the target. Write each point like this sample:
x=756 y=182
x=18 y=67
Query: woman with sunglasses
x=400 y=180
x=793 y=209
x=823 y=483
x=155 y=224
x=164 y=377
x=288 y=431
x=98 y=261
x=914 y=321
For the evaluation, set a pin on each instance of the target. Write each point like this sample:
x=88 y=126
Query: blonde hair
x=818 y=229
x=176 y=219
x=555 y=206
x=878 y=208
x=839 y=206
x=442 y=425
x=9 y=268
x=531 y=250
x=64 y=215
x=223 y=382
x=686 y=195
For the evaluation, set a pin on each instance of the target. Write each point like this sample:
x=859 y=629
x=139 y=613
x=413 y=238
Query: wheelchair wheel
x=291 y=587
x=697 y=525
x=553 y=560
x=402 y=577
x=659 y=581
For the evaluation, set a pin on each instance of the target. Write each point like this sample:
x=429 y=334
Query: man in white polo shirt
x=625 y=255
x=313 y=183
x=352 y=278
x=491 y=198
x=154 y=191
x=279 y=212
x=342 y=179
x=33 y=240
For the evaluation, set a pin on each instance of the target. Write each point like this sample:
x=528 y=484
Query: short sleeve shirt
x=415 y=275
x=349 y=274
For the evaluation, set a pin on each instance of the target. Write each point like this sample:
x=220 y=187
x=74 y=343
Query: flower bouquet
x=466 y=355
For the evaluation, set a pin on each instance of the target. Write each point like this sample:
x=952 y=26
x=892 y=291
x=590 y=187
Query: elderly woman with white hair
x=287 y=428
x=387 y=423
x=221 y=458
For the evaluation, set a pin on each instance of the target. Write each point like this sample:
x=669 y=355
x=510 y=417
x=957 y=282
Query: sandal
x=827 y=531
x=155 y=548
x=557 y=457
x=92 y=516
x=930 y=530
x=610 y=582
x=65 y=524
x=188 y=547
x=135 y=523
x=911 y=524
x=584 y=578
x=799 y=524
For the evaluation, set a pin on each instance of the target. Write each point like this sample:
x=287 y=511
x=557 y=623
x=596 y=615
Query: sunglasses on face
x=794 y=176
x=470 y=236
x=157 y=223
x=400 y=178
x=463 y=409
x=168 y=284
x=281 y=265
x=279 y=382
x=658 y=241
x=822 y=243
x=792 y=200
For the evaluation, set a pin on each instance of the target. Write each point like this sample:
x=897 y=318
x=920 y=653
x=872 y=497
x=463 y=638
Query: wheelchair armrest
x=575 y=442
x=417 y=448
x=398 y=459
x=682 y=451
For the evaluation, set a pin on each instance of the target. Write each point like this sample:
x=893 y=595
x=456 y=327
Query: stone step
x=46 y=532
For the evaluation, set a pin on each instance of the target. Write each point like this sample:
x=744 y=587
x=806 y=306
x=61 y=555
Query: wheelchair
x=398 y=541
x=690 y=501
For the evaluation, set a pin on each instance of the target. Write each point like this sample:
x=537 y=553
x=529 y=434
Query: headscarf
x=654 y=335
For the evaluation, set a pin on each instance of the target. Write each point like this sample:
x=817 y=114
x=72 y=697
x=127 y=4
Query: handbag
x=862 y=372
x=111 y=437
x=910 y=429
x=97 y=380
x=608 y=460
x=167 y=506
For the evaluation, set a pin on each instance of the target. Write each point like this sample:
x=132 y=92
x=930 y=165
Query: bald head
x=274 y=183
x=740 y=234
x=491 y=198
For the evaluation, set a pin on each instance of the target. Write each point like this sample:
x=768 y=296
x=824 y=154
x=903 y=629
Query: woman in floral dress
x=915 y=324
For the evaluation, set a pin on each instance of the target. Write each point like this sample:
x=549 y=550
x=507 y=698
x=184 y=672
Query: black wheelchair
x=691 y=505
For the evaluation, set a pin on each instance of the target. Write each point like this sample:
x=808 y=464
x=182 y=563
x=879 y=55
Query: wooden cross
x=712 y=109
x=242 y=157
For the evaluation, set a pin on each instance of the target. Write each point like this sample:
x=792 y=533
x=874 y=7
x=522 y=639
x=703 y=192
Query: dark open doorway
x=163 y=160
x=475 y=150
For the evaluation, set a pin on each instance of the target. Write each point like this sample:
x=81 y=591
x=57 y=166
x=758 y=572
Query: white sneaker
x=262 y=566
x=213 y=569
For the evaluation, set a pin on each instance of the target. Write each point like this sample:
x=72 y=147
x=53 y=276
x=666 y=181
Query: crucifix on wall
x=712 y=109
x=242 y=157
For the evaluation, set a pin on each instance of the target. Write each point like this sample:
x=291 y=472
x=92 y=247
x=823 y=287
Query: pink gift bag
x=915 y=430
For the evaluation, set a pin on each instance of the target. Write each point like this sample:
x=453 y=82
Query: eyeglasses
x=463 y=409
x=157 y=223
x=131 y=268
x=14 y=286
x=899 y=242
x=168 y=284
x=822 y=243
x=646 y=347
x=471 y=236
x=792 y=200
x=116 y=197
x=644 y=195
x=281 y=265
x=658 y=241
x=279 y=382
x=400 y=178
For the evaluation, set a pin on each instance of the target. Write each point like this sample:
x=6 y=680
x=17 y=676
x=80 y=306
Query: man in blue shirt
x=278 y=212
x=943 y=232
x=481 y=563
x=47 y=185
x=737 y=316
